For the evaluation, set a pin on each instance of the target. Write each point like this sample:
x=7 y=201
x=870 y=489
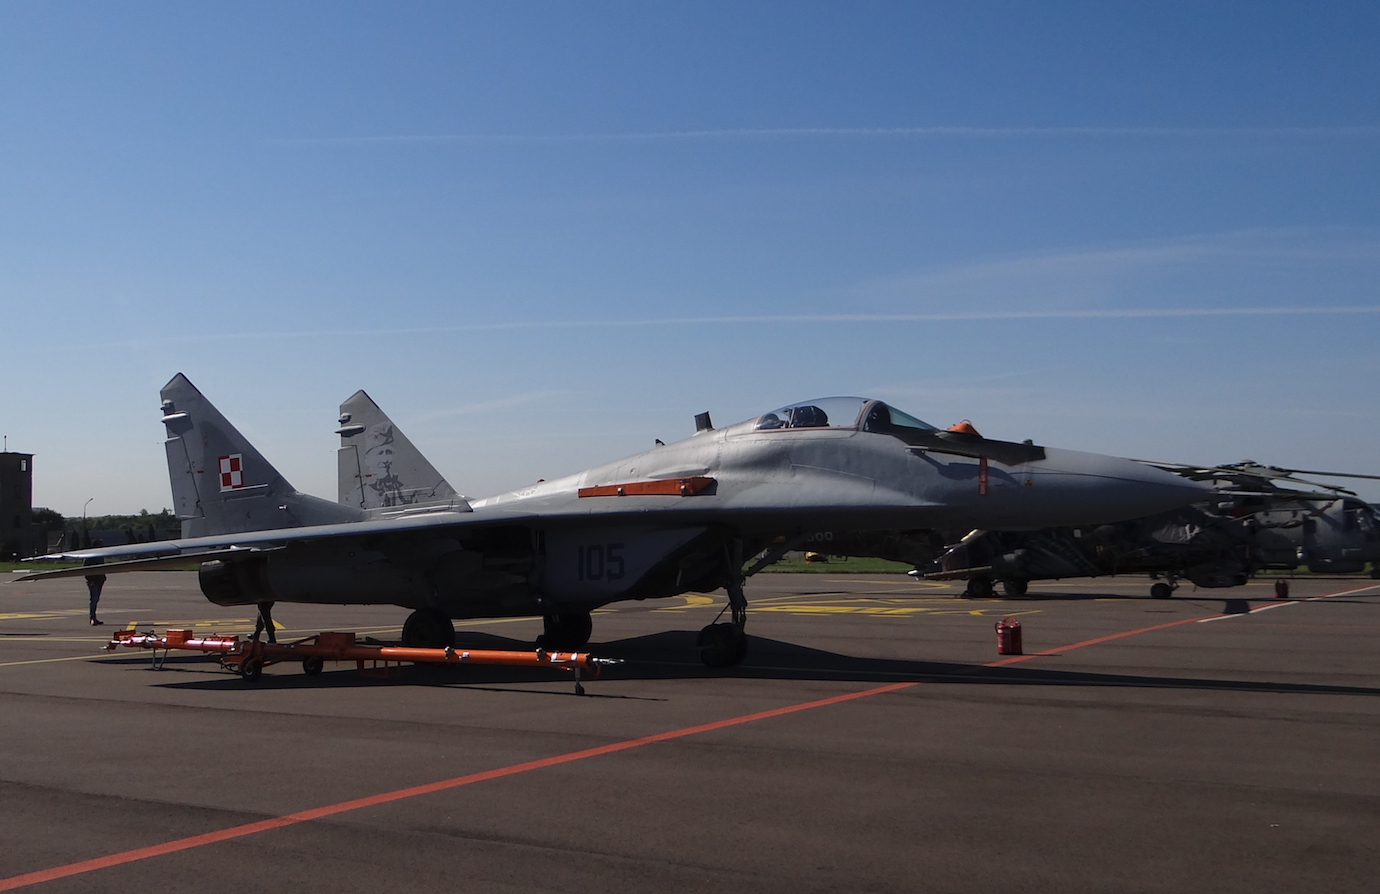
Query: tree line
x=142 y=528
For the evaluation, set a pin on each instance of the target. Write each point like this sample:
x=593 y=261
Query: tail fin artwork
x=220 y=483
x=379 y=468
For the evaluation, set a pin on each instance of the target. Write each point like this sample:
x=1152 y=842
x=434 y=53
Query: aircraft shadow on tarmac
x=671 y=655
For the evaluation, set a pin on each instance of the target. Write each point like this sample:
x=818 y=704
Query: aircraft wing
x=165 y=553
x=153 y=563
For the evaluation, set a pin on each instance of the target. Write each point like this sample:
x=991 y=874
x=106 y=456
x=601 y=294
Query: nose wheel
x=722 y=645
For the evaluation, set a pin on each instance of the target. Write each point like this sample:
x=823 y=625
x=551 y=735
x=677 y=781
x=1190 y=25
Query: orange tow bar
x=249 y=657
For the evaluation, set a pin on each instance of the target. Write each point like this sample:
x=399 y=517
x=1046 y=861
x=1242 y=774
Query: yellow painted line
x=50 y=660
x=43 y=615
x=203 y=622
x=900 y=584
x=786 y=606
x=64 y=639
x=479 y=622
x=886 y=612
x=841 y=610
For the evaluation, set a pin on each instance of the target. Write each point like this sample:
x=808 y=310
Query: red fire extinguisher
x=1009 y=637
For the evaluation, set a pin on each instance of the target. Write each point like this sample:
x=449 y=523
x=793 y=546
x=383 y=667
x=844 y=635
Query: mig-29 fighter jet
x=678 y=518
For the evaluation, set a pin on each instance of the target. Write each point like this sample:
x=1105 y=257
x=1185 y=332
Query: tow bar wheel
x=251 y=669
x=312 y=665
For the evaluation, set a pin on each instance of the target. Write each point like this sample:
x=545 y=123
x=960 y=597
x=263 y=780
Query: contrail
x=807 y=319
x=788 y=133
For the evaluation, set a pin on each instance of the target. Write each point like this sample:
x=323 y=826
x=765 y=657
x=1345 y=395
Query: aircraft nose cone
x=1096 y=489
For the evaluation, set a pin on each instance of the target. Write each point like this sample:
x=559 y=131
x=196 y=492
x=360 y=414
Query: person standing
x=94 y=582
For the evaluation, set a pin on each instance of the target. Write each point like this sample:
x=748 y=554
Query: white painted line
x=1243 y=614
x=1268 y=606
x=1271 y=605
x=1343 y=593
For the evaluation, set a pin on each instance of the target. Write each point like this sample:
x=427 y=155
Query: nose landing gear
x=725 y=644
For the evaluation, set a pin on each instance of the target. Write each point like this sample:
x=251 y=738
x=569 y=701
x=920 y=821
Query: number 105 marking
x=600 y=562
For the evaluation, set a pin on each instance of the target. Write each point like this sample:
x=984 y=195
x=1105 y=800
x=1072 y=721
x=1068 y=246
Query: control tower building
x=16 y=505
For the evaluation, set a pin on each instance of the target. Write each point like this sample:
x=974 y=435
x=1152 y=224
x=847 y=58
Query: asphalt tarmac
x=872 y=741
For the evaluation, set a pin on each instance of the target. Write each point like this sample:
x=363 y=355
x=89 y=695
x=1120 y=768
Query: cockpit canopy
x=841 y=412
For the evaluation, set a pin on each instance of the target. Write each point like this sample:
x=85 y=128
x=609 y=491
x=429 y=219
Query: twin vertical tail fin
x=380 y=469
x=220 y=483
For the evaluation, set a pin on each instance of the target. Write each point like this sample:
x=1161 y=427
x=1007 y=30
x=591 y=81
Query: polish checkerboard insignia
x=231 y=474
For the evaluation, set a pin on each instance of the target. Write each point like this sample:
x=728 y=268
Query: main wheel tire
x=979 y=587
x=1281 y=588
x=1161 y=590
x=251 y=669
x=1014 y=586
x=566 y=632
x=741 y=652
x=312 y=666
x=428 y=629
x=721 y=645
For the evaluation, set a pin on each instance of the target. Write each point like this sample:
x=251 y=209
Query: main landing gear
x=1164 y=589
x=565 y=632
x=979 y=587
x=427 y=628
x=725 y=644
x=1015 y=586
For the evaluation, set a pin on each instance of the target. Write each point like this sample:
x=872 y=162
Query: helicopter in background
x=1259 y=520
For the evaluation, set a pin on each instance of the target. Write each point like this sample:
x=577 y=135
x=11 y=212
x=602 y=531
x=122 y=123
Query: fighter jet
x=678 y=518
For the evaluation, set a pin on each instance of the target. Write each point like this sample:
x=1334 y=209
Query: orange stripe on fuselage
x=675 y=487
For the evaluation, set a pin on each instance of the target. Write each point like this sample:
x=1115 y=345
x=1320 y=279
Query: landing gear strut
x=725 y=645
x=566 y=632
x=427 y=628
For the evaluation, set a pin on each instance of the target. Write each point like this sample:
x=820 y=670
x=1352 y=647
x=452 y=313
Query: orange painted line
x=292 y=819
x=1092 y=642
x=1115 y=636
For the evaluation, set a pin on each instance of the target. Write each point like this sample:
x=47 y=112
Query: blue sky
x=543 y=234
